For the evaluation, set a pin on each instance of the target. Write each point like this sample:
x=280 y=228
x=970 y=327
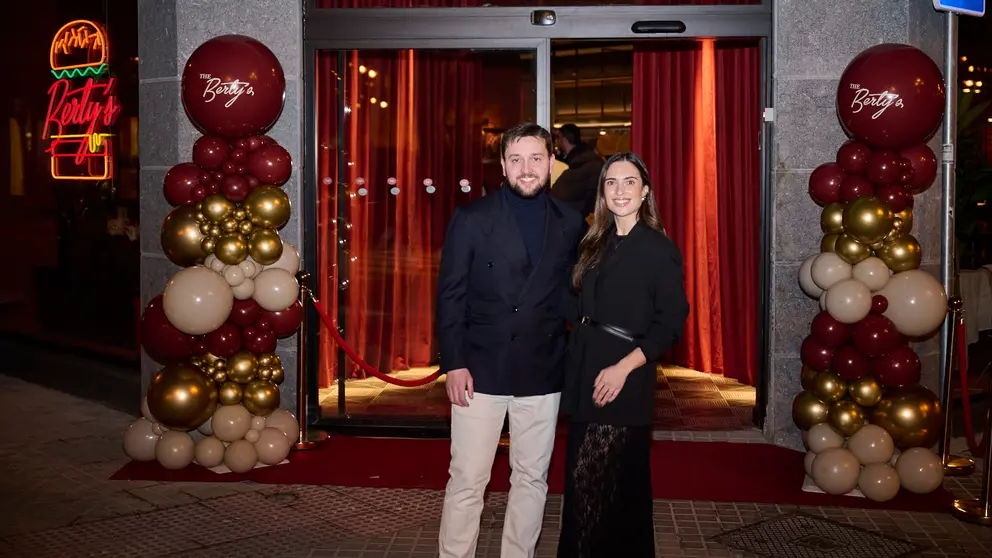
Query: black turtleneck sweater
x=530 y=216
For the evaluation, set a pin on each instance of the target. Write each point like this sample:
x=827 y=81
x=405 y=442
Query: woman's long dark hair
x=594 y=243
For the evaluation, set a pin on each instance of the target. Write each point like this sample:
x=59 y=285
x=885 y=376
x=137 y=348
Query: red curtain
x=696 y=113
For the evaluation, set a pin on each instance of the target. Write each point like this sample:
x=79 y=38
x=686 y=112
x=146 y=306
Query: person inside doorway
x=501 y=333
x=577 y=185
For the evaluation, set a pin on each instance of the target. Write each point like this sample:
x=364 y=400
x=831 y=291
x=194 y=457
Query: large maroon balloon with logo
x=891 y=96
x=233 y=86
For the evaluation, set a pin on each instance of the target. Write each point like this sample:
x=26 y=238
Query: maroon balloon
x=879 y=304
x=876 y=336
x=884 y=167
x=239 y=155
x=901 y=367
x=254 y=143
x=283 y=323
x=824 y=183
x=229 y=167
x=252 y=182
x=923 y=161
x=199 y=193
x=271 y=164
x=896 y=196
x=224 y=341
x=258 y=340
x=245 y=312
x=891 y=96
x=234 y=187
x=233 y=86
x=854 y=187
x=210 y=152
x=179 y=183
x=213 y=188
x=852 y=157
x=200 y=345
x=217 y=176
x=161 y=340
x=815 y=355
x=849 y=363
x=829 y=332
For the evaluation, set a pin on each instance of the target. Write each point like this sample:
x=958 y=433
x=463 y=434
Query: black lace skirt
x=607 y=506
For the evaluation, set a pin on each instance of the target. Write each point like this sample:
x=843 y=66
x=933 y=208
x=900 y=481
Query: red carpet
x=710 y=471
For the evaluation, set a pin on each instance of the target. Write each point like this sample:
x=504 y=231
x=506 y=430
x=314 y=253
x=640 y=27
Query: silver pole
x=947 y=277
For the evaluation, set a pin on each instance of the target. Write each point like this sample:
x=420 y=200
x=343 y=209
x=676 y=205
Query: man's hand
x=458 y=382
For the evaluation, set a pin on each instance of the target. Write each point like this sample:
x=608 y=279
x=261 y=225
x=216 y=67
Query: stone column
x=169 y=31
x=814 y=42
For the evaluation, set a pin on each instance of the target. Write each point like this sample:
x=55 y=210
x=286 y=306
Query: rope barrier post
x=308 y=439
x=953 y=466
x=972 y=510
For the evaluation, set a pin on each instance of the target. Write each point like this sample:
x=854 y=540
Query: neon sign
x=81 y=116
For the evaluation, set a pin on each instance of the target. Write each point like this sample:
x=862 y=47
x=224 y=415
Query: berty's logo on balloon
x=231 y=89
x=865 y=98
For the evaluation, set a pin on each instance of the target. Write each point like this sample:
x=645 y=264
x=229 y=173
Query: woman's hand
x=609 y=383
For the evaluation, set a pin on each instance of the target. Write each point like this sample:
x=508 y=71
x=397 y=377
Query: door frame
x=511 y=29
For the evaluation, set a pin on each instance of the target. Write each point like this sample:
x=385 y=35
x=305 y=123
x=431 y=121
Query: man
x=577 y=186
x=505 y=261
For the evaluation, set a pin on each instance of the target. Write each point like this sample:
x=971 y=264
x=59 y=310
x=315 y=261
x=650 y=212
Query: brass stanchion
x=308 y=439
x=979 y=511
x=953 y=466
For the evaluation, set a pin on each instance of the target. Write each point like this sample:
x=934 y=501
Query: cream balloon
x=209 y=261
x=245 y=290
x=209 y=452
x=258 y=423
x=197 y=300
x=871 y=444
x=252 y=436
x=822 y=437
x=140 y=440
x=272 y=446
x=276 y=289
x=806 y=282
x=920 y=470
x=217 y=265
x=234 y=275
x=240 y=456
x=828 y=269
x=836 y=471
x=849 y=301
x=175 y=450
x=250 y=268
x=879 y=482
x=823 y=301
x=231 y=422
x=808 y=462
x=917 y=302
x=285 y=422
x=290 y=259
x=145 y=411
x=872 y=272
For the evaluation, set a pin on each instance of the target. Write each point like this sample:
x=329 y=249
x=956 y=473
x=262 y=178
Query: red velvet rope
x=366 y=367
x=969 y=430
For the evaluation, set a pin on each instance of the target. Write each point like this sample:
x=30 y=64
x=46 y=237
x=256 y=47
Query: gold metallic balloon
x=906 y=220
x=828 y=387
x=265 y=373
x=267 y=207
x=829 y=242
x=229 y=225
x=242 y=367
x=216 y=208
x=901 y=254
x=265 y=246
x=266 y=359
x=808 y=410
x=832 y=218
x=205 y=228
x=239 y=214
x=230 y=393
x=231 y=248
x=245 y=227
x=209 y=244
x=809 y=378
x=180 y=396
x=868 y=219
x=865 y=391
x=847 y=417
x=851 y=250
x=219 y=363
x=216 y=230
x=261 y=398
x=278 y=375
x=911 y=415
x=276 y=361
x=220 y=376
x=182 y=239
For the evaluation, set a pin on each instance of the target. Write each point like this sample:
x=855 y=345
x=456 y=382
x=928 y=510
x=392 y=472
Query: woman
x=628 y=306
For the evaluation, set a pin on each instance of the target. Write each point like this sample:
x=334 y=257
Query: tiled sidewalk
x=57 y=453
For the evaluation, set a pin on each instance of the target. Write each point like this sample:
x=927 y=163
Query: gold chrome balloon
x=865 y=391
x=911 y=415
x=847 y=417
x=267 y=207
x=265 y=373
x=867 y=219
x=901 y=253
x=808 y=410
x=265 y=246
x=828 y=387
x=229 y=225
x=829 y=242
x=182 y=238
x=851 y=250
x=239 y=214
x=216 y=208
x=261 y=398
x=242 y=367
x=245 y=227
x=278 y=375
x=180 y=396
x=832 y=218
x=230 y=393
x=220 y=376
x=265 y=359
x=231 y=249
x=808 y=378
x=905 y=220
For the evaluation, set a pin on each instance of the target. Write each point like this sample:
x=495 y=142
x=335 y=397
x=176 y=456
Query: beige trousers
x=475 y=433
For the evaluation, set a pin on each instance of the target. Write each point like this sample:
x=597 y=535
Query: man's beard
x=528 y=195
